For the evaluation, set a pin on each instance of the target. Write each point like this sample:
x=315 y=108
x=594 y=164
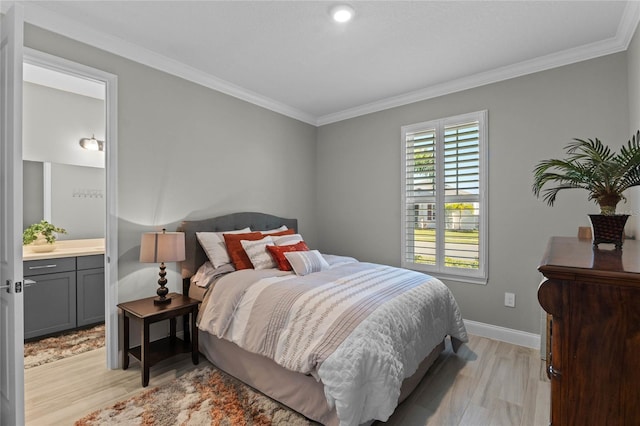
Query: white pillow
x=287 y=240
x=214 y=246
x=273 y=231
x=306 y=262
x=258 y=254
x=207 y=274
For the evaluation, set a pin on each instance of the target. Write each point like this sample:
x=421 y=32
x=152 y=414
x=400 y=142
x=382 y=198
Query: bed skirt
x=285 y=385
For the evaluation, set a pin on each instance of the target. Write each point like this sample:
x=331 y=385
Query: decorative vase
x=41 y=245
x=608 y=229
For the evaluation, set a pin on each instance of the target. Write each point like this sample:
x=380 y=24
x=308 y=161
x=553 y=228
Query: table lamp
x=162 y=247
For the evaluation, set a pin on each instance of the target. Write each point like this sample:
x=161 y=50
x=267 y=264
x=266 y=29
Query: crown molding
x=629 y=23
x=619 y=43
x=78 y=31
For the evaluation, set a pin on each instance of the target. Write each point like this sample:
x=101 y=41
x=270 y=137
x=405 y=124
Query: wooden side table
x=150 y=353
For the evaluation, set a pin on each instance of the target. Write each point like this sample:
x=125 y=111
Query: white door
x=11 y=302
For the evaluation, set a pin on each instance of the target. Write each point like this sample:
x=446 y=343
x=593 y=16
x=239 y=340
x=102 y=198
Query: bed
x=340 y=384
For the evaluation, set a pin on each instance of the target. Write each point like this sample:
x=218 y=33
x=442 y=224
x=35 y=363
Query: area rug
x=63 y=346
x=204 y=396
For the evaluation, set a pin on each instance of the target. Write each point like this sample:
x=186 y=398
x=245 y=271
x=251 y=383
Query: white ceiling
x=61 y=81
x=289 y=56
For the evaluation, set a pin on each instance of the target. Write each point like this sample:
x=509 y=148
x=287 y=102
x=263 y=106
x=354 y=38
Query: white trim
x=79 y=31
x=46 y=189
x=628 y=23
x=111 y=247
x=619 y=43
x=110 y=82
x=82 y=32
x=457 y=278
x=503 y=334
x=439 y=270
x=543 y=63
x=12 y=401
x=64 y=82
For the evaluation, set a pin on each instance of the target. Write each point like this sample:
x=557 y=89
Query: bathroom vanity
x=63 y=289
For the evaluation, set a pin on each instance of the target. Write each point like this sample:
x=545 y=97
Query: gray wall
x=54 y=121
x=77 y=198
x=531 y=118
x=77 y=201
x=33 y=193
x=188 y=152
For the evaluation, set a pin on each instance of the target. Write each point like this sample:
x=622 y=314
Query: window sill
x=448 y=277
x=461 y=278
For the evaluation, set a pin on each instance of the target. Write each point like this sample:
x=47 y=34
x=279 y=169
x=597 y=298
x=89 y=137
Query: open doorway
x=107 y=84
x=64 y=184
x=88 y=196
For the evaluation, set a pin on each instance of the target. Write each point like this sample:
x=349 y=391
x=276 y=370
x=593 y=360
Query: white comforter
x=363 y=373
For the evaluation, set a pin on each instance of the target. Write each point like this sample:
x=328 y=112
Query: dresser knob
x=553 y=372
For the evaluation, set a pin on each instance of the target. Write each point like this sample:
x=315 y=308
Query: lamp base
x=162 y=291
x=161 y=300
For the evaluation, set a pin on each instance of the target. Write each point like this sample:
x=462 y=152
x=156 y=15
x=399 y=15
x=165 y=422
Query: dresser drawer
x=49 y=266
x=90 y=262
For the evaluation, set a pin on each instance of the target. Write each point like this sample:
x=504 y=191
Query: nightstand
x=146 y=312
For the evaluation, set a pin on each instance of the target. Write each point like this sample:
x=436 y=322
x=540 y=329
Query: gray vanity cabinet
x=66 y=293
x=90 y=289
x=50 y=300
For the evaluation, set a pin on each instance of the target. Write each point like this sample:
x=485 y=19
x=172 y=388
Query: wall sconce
x=92 y=144
x=160 y=247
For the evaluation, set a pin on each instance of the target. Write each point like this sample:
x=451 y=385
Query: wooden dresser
x=593 y=298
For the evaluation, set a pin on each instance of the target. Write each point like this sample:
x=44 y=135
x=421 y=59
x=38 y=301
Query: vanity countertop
x=67 y=248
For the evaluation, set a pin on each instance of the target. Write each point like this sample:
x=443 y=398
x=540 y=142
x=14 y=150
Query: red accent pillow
x=280 y=233
x=277 y=252
x=236 y=251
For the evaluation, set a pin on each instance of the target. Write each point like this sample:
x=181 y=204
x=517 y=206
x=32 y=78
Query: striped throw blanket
x=361 y=328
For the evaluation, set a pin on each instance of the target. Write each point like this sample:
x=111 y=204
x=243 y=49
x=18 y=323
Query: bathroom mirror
x=64 y=183
x=69 y=196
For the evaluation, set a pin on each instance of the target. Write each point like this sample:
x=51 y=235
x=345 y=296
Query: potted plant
x=605 y=174
x=42 y=236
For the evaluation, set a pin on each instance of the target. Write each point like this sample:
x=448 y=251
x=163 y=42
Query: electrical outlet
x=510 y=300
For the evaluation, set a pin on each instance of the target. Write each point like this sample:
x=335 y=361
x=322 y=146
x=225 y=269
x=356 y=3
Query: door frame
x=11 y=274
x=46 y=60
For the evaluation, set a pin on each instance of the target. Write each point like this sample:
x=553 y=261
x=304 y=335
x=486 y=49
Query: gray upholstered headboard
x=194 y=254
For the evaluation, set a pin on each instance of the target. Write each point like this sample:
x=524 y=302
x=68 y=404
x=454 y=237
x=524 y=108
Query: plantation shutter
x=420 y=187
x=444 y=219
x=462 y=186
x=461 y=159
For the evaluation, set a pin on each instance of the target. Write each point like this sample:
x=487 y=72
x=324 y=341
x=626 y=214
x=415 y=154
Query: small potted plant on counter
x=605 y=174
x=41 y=236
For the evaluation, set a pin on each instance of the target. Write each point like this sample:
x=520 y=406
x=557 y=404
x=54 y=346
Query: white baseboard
x=508 y=335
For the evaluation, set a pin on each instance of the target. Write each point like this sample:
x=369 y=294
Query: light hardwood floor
x=486 y=383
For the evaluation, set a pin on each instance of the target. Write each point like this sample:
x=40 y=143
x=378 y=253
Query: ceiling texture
x=292 y=58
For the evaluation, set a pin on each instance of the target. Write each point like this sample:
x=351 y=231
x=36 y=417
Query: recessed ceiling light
x=342 y=13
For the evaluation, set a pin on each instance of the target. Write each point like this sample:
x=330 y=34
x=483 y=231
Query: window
x=444 y=193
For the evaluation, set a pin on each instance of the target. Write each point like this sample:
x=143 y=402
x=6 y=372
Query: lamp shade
x=157 y=247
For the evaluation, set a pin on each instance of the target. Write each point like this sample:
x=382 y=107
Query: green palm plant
x=592 y=166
